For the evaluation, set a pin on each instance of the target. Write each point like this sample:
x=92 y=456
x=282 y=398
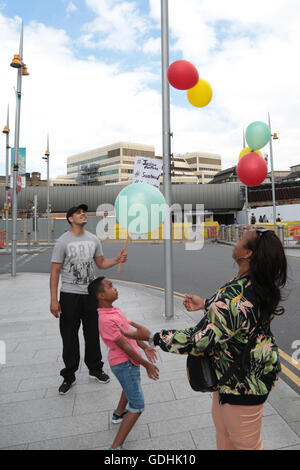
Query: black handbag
x=201 y=374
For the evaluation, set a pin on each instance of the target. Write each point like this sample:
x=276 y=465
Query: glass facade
x=109 y=172
x=90 y=160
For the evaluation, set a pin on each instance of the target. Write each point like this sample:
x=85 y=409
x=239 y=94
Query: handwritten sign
x=147 y=170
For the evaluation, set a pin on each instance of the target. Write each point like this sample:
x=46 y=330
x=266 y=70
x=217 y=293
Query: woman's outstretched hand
x=141 y=334
x=193 y=303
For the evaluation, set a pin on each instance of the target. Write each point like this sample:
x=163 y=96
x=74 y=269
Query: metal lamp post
x=47 y=158
x=168 y=255
x=246 y=187
x=17 y=63
x=6 y=132
x=275 y=137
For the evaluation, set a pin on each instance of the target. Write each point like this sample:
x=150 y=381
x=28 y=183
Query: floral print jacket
x=231 y=315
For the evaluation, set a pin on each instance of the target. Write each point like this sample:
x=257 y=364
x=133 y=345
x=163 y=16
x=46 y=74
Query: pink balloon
x=183 y=75
x=252 y=169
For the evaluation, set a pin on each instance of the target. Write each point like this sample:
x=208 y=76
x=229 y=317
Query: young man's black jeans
x=77 y=309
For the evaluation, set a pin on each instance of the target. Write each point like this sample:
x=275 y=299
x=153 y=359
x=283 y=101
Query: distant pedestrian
x=260 y=219
x=75 y=255
x=239 y=314
x=265 y=220
x=253 y=219
x=279 y=219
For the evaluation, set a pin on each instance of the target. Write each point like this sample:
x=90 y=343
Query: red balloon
x=183 y=75
x=252 y=169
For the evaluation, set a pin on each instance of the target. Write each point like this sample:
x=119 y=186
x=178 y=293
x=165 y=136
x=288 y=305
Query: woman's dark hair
x=268 y=272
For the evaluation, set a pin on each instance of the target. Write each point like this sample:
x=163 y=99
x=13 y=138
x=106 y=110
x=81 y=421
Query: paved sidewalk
x=294 y=252
x=34 y=416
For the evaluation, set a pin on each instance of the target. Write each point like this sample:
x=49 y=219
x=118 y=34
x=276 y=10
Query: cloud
x=71 y=8
x=152 y=46
x=118 y=26
x=248 y=51
x=83 y=104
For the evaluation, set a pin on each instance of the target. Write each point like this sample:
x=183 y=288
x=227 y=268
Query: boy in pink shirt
x=124 y=358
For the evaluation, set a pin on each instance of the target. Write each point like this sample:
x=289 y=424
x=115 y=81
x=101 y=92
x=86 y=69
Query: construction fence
x=26 y=232
x=288 y=232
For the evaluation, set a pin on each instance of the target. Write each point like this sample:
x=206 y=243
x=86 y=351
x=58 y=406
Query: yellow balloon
x=201 y=94
x=248 y=150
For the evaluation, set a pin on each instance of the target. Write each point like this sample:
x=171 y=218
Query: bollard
x=237 y=232
x=28 y=240
x=280 y=233
x=229 y=230
x=222 y=232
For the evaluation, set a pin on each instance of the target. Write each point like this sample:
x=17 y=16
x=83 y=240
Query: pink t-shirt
x=110 y=321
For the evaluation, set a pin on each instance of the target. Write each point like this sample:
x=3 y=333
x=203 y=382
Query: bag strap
x=231 y=370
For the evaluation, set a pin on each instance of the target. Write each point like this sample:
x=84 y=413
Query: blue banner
x=22 y=160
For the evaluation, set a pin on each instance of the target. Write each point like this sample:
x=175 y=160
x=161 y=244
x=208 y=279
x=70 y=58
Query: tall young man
x=74 y=256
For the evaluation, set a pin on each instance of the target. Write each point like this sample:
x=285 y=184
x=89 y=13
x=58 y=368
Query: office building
x=204 y=165
x=106 y=165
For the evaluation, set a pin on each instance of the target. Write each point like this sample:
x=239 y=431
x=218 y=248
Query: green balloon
x=258 y=135
x=140 y=208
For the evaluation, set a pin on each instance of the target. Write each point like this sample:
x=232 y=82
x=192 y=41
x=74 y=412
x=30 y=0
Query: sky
x=95 y=75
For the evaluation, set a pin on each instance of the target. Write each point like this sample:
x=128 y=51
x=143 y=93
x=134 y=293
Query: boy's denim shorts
x=130 y=379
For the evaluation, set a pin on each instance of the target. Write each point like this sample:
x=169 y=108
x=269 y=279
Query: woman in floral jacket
x=244 y=306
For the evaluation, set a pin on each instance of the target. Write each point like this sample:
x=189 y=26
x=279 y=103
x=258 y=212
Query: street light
x=17 y=63
x=246 y=187
x=25 y=72
x=168 y=256
x=6 y=207
x=47 y=157
x=273 y=137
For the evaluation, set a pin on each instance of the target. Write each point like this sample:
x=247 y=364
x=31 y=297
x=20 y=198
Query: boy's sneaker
x=66 y=386
x=118 y=448
x=116 y=418
x=100 y=376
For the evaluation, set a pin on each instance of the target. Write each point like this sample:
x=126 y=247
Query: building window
x=139 y=153
x=208 y=169
x=210 y=161
x=110 y=164
x=114 y=153
x=90 y=160
x=109 y=172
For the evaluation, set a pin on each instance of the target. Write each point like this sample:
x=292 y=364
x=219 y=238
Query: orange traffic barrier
x=2 y=238
x=295 y=232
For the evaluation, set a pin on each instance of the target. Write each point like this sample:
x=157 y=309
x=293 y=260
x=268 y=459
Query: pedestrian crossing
x=22 y=260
